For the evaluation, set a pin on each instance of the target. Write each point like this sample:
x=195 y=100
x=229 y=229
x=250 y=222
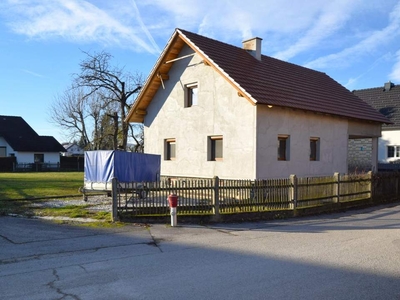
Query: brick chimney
x=253 y=46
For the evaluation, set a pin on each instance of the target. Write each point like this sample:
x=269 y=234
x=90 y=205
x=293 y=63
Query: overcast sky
x=356 y=42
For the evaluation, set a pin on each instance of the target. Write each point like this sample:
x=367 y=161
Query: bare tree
x=95 y=107
x=137 y=134
x=98 y=76
x=70 y=111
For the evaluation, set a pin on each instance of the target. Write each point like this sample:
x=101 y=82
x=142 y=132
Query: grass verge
x=22 y=193
x=17 y=186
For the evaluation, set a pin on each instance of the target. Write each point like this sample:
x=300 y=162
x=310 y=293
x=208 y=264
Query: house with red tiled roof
x=386 y=100
x=214 y=109
x=18 y=139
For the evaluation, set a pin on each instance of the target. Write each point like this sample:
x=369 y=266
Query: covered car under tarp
x=103 y=165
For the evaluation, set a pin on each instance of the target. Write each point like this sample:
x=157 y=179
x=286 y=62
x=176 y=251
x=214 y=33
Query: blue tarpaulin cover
x=103 y=165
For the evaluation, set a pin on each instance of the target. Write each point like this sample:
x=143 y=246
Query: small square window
x=191 y=91
x=215 y=148
x=170 y=149
x=283 y=147
x=314 y=149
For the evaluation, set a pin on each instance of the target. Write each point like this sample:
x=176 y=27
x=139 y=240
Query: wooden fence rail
x=216 y=197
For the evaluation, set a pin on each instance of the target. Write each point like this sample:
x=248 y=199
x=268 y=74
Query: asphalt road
x=353 y=255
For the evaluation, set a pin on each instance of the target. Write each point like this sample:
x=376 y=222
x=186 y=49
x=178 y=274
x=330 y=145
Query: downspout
x=255 y=168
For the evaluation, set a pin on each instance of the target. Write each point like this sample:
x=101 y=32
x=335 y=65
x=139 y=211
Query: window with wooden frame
x=215 y=148
x=314 y=149
x=169 y=149
x=191 y=92
x=283 y=147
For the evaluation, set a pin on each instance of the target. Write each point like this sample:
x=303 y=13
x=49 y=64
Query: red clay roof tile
x=279 y=83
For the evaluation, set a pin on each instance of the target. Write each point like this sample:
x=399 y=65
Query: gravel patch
x=96 y=203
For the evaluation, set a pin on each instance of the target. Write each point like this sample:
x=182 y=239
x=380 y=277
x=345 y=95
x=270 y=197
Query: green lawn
x=19 y=192
x=17 y=186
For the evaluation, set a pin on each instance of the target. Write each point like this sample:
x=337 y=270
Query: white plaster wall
x=389 y=138
x=51 y=157
x=28 y=157
x=3 y=143
x=220 y=111
x=364 y=129
x=333 y=134
x=24 y=157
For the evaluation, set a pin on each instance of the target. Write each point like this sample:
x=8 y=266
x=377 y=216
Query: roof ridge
x=375 y=88
x=262 y=55
x=206 y=37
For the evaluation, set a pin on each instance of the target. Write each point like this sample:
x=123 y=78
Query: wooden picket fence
x=216 y=197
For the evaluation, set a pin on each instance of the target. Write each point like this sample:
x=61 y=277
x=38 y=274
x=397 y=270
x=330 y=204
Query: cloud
x=372 y=42
x=395 y=74
x=79 y=21
x=288 y=28
x=332 y=17
x=352 y=82
x=226 y=19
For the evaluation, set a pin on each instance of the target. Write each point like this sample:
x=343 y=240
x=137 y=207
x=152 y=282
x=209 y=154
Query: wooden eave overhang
x=159 y=74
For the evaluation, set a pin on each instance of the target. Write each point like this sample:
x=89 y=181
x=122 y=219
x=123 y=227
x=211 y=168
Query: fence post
x=336 y=177
x=216 y=198
x=114 y=210
x=370 y=185
x=293 y=192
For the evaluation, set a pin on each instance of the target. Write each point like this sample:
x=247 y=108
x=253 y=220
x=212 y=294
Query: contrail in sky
x=144 y=28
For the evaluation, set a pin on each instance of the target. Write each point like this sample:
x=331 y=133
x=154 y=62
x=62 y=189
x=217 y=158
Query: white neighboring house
x=72 y=149
x=386 y=100
x=18 y=139
x=213 y=109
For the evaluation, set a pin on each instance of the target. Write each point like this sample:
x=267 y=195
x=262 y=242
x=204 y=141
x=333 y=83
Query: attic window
x=191 y=91
x=3 y=151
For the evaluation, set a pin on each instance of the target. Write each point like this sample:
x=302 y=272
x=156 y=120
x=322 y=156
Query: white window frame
x=191 y=94
x=396 y=151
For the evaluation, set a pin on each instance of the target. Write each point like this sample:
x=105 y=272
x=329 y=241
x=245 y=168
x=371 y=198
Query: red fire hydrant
x=173 y=203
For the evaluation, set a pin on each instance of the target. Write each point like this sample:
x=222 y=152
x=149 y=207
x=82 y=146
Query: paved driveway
x=353 y=255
